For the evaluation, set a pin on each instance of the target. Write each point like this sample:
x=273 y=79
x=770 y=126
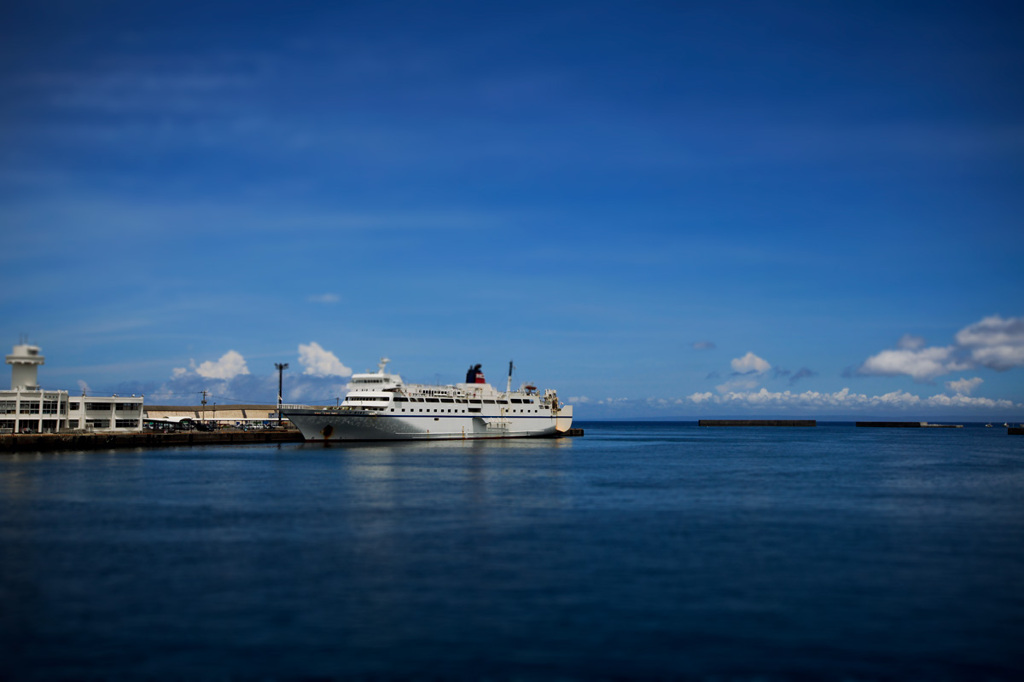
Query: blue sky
x=660 y=209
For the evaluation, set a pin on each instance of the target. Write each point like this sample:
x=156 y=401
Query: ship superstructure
x=380 y=406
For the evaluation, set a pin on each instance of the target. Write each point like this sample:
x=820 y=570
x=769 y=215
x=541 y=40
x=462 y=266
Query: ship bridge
x=375 y=381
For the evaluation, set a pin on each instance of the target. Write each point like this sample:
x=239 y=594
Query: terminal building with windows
x=27 y=408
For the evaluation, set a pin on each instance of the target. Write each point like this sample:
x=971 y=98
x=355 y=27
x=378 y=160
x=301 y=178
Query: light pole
x=281 y=367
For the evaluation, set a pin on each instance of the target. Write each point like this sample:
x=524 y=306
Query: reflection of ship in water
x=380 y=406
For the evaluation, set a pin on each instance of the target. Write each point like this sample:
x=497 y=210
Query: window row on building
x=35 y=411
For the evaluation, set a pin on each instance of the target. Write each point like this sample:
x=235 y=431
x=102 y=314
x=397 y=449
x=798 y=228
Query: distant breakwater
x=908 y=425
x=757 y=422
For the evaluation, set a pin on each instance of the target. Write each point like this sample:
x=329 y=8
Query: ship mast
x=508 y=386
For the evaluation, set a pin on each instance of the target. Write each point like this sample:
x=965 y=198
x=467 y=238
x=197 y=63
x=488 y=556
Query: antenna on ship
x=383 y=363
x=508 y=387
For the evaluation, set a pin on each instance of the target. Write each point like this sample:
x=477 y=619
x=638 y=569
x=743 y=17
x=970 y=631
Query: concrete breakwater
x=53 y=442
x=908 y=425
x=757 y=422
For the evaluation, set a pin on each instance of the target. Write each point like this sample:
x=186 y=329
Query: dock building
x=28 y=408
x=220 y=416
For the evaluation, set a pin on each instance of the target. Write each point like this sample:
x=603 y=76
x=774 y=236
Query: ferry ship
x=380 y=406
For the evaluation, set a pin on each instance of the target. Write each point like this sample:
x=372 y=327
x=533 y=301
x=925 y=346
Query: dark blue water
x=641 y=551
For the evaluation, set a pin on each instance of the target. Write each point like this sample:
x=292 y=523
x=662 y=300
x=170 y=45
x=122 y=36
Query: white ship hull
x=334 y=425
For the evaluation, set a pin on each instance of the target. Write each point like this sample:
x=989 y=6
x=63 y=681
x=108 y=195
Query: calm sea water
x=641 y=551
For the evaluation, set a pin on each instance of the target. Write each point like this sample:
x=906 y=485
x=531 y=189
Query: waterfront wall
x=53 y=442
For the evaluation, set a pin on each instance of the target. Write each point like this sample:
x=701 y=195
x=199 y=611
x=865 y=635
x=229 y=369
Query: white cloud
x=923 y=364
x=324 y=298
x=844 y=399
x=750 y=363
x=814 y=404
x=578 y=400
x=612 y=401
x=185 y=387
x=230 y=365
x=321 y=363
x=999 y=358
x=995 y=342
x=942 y=400
x=704 y=345
x=743 y=383
x=964 y=386
x=910 y=342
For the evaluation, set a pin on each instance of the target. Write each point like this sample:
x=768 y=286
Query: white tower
x=24 y=361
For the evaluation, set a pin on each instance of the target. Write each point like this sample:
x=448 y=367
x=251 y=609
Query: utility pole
x=281 y=367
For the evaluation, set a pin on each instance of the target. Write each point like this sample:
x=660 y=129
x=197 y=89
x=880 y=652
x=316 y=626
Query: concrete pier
x=54 y=442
